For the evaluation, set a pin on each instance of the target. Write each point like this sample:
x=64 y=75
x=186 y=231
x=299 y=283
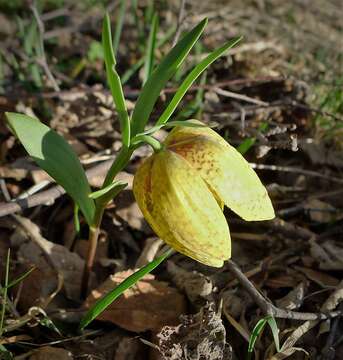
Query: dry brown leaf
x=199 y=336
x=319 y=277
x=34 y=249
x=148 y=305
x=128 y=210
x=329 y=255
x=51 y=353
x=197 y=286
x=294 y=299
x=320 y=211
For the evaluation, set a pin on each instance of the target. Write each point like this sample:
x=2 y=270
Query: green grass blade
x=4 y=294
x=107 y=300
x=275 y=331
x=54 y=155
x=128 y=73
x=114 y=83
x=255 y=334
x=119 y=26
x=150 y=54
x=166 y=69
x=192 y=76
x=20 y=278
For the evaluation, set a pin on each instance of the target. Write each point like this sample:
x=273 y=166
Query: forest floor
x=277 y=97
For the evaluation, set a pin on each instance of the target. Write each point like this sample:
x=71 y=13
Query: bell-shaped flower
x=181 y=191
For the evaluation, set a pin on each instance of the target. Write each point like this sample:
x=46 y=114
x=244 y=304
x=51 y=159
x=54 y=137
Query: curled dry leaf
x=330 y=304
x=329 y=255
x=294 y=299
x=197 y=286
x=148 y=305
x=48 y=258
x=199 y=336
x=51 y=353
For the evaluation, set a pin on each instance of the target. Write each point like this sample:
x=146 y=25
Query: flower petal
x=225 y=170
x=181 y=209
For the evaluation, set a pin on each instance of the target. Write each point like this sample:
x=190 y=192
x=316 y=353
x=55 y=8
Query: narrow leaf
x=20 y=278
x=109 y=192
x=119 y=25
x=108 y=299
x=170 y=124
x=150 y=54
x=192 y=76
x=275 y=331
x=114 y=83
x=166 y=69
x=54 y=155
x=255 y=334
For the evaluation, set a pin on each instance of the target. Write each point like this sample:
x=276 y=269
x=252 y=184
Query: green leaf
x=255 y=334
x=119 y=25
x=166 y=69
x=54 y=155
x=20 y=278
x=108 y=299
x=109 y=192
x=114 y=83
x=259 y=328
x=150 y=54
x=192 y=76
x=275 y=331
x=170 y=124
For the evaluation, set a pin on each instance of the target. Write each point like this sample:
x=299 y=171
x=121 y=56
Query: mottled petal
x=181 y=209
x=224 y=169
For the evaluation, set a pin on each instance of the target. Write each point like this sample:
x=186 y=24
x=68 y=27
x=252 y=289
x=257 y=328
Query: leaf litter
x=185 y=309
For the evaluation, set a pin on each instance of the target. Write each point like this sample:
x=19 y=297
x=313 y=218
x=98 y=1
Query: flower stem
x=119 y=163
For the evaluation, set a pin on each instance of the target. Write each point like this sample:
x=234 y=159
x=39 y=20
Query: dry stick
x=270 y=309
x=180 y=19
x=48 y=197
x=42 y=60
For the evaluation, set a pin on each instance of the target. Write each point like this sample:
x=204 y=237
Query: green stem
x=155 y=144
x=119 y=163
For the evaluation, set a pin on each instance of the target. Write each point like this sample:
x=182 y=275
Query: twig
x=242 y=97
x=50 y=195
x=180 y=19
x=42 y=60
x=268 y=308
x=296 y=170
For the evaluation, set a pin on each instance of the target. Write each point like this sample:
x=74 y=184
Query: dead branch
x=268 y=308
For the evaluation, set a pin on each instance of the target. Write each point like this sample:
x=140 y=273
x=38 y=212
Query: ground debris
x=199 y=337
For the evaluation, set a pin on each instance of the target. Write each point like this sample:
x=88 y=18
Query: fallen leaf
x=199 y=336
x=294 y=299
x=197 y=286
x=319 y=277
x=51 y=353
x=320 y=211
x=34 y=249
x=148 y=305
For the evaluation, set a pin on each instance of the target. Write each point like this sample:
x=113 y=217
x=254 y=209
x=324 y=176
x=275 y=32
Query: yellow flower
x=181 y=191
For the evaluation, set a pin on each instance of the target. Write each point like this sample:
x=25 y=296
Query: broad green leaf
x=192 y=76
x=54 y=155
x=114 y=83
x=108 y=299
x=158 y=79
x=150 y=54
